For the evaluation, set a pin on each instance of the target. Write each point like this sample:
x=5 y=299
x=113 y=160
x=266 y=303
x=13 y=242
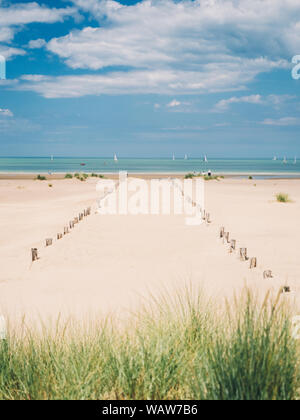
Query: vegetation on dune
x=41 y=178
x=178 y=347
x=205 y=177
x=68 y=176
x=283 y=198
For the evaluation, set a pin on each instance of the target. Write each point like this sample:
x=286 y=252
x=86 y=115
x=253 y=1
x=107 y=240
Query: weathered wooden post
x=286 y=289
x=226 y=237
x=232 y=245
x=34 y=254
x=71 y=224
x=208 y=218
x=84 y=213
x=243 y=254
x=88 y=211
x=59 y=236
x=222 y=231
x=66 y=230
x=203 y=213
x=268 y=274
x=49 y=242
x=76 y=221
x=253 y=263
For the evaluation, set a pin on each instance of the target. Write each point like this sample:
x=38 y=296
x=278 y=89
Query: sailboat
x=295 y=160
x=51 y=157
x=115 y=158
x=284 y=160
x=173 y=156
x=275 y=158
x=205 y=159
x=185 y=157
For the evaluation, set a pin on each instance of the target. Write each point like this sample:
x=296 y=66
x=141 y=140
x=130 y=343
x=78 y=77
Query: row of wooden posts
x=71 y=225
x=242 y=251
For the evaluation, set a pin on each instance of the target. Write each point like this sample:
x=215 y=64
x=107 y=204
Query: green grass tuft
x=179 y=347
x=283 y=198
x=68 y=176
x=41 y=178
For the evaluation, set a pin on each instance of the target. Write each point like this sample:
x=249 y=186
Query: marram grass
x=179 y=347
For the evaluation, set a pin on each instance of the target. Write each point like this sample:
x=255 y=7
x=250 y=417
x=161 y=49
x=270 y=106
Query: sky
x=150 y=78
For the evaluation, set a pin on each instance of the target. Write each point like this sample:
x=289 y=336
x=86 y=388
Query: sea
x=238 y=167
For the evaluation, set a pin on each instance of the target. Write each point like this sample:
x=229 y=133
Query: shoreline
x=146 y=175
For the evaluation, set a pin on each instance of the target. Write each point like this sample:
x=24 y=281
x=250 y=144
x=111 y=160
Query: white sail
x=275 y=158
x=295 y=160
x=186 y=157
x=115 y=158
x=51 y=157
x=205 y=159
x=284 y=160
x=173 y=156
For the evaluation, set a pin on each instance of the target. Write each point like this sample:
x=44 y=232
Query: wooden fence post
x=208 y=218
x=268 y=274
x=66 y=230
x=226 y=237
x=59 y=236
x=243 y=254
x=253 y=263
x=222 y=231
x=49 y=242
x=34 y=254
x=232 y=245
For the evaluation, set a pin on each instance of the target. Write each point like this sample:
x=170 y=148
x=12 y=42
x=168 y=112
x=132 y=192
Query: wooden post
x=208 y=218
x=80 y=217
x=203 y=214
x=59 y=236
x=268 y=274
x=84 y=213
x=49 y=242
x=232 y=245
x=243 y=254
x=286 y=289
x=253 y=263
x=226 y=237
x=222 y=231
x=88 y=211
x=34 y=254
x=76 y=220
x=66 y=230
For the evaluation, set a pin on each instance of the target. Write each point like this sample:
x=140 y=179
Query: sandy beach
x=112 y=263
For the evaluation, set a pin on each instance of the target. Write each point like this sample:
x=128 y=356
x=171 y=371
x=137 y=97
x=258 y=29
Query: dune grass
x=178 y=347
x=283 y=198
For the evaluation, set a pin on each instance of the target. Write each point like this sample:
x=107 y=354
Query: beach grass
x=41 y=178
x=283 y=198
x=177 y=347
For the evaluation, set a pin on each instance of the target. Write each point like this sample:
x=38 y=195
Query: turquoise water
x=134 y=165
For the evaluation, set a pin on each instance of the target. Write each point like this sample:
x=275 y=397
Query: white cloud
x=160 y=81
x=5 y=113
x=24 y=13
x=14 y=16
x=173 y=103
x=224 y=104
x=273 y=100
x=36 y=43
x=282 y=122
x=225 y=44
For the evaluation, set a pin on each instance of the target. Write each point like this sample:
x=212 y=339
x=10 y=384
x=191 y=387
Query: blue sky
x=149 y=78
